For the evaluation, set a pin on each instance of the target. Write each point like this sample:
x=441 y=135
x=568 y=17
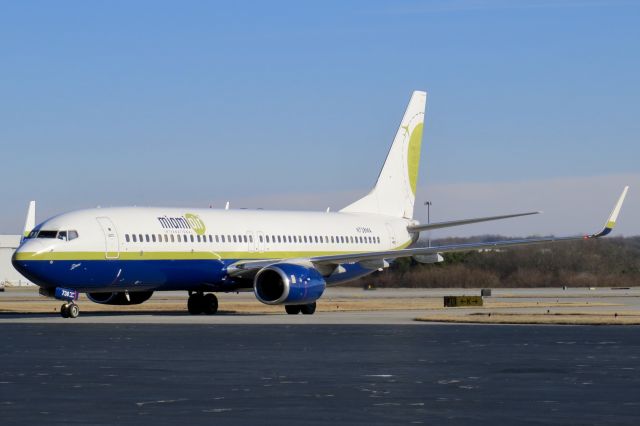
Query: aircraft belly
x=132 y=275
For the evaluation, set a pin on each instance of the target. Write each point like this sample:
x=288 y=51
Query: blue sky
x=193 y=103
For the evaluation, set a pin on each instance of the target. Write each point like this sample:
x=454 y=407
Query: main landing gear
x=307 y=309
x=200 y=303
x=69 y=310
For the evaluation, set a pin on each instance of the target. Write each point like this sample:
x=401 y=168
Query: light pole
x=428 y=204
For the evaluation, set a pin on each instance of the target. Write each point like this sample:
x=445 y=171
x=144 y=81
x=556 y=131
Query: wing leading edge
x=449 y=224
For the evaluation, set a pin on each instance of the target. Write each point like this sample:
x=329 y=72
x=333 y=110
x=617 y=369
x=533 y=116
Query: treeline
x=608 y=262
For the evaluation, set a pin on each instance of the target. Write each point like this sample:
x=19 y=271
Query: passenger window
x=198 y=237
x=305 y=238
x=332 y=238
x=222 y=238
x=210 y=238
x=245 y=239
x=235 y=239
x=172 y=239
x=260 y=238
x=217 y=239
x=147 y=237
x=153 y=237
x=134 y=238
x=267 y=238
x=190 y=237
x=126 y=237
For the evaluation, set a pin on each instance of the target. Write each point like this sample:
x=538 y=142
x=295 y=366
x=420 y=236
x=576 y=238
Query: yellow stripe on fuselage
x=183 y=255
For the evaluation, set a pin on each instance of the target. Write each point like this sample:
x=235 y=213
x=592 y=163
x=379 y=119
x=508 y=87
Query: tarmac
x=129 y=374
x=334 y=367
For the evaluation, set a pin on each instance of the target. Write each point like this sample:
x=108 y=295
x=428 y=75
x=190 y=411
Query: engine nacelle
x=120 y=298
x=288 y=284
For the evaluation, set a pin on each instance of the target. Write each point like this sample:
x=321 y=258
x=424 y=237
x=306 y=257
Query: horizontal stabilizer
x=438 y=225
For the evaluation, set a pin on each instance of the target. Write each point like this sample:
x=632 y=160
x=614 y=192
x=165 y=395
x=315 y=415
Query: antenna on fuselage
x=328 y=209
x=226 y=207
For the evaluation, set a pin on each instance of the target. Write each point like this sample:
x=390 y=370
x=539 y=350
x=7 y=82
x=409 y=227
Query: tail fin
x=30 y=222
x=395 y=190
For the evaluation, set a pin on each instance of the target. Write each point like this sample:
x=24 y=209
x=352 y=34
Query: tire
x=308 y=309
x=64 y=311
x=74 y=310
x=210 y=304
x=194 y=304
x=292 y=309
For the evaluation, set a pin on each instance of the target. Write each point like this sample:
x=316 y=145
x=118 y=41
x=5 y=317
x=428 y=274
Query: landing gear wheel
x=292 y=309
x=195 y=304
x=64 y=310
x=74 y=310
x=308 y=309
x=210 y=304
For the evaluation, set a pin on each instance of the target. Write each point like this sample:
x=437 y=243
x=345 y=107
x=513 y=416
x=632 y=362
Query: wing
x=421 y=251
x=438 y=225
x=326 y=264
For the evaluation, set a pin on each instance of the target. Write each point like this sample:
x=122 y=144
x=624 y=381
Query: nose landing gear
x=69 y=310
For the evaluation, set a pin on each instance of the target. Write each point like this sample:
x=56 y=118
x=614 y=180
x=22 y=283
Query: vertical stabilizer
x=30 y=222
x=395 y=191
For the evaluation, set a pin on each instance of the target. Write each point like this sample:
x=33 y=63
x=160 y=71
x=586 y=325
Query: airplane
x=121 y=256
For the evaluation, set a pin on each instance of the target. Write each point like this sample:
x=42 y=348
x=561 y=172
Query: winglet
x=611 y=223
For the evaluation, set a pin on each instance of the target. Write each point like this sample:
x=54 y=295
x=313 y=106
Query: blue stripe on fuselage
x=139 y=275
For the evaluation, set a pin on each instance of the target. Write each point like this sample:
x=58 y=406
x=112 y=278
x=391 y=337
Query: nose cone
x=23 y=260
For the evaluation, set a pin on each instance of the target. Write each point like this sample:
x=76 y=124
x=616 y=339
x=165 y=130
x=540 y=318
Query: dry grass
x=602 y=318
x=38 y=304
x=33 y=303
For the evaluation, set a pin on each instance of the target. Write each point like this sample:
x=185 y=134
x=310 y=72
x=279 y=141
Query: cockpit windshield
x=60 y=235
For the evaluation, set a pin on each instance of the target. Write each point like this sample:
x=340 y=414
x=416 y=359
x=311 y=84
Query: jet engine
x=120 y=298
x=288 y=284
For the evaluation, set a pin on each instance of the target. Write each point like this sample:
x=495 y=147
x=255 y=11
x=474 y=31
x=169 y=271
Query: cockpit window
x=47 y=234
x=61 y=235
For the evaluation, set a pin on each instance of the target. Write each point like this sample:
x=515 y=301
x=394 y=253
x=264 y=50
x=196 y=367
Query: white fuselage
x=154 y=248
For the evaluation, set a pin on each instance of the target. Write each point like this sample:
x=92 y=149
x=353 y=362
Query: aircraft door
x=112 y=244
